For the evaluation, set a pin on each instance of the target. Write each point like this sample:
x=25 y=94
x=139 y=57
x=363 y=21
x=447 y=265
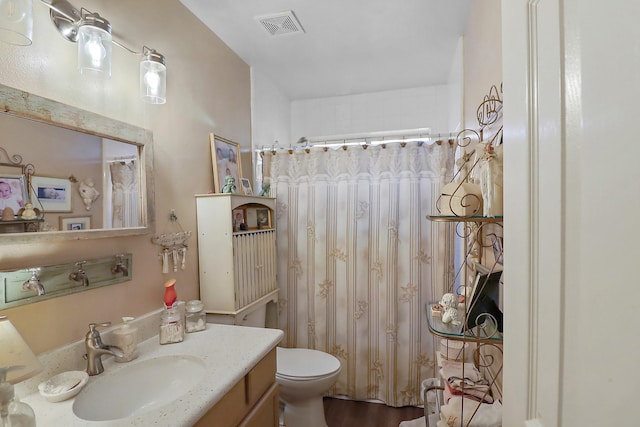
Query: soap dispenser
x=126 y=337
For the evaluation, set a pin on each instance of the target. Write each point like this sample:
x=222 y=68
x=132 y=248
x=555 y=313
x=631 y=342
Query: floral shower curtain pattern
x=124 y=187
x=358 y=260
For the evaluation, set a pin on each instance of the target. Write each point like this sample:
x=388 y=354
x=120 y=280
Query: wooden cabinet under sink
x=252 y=402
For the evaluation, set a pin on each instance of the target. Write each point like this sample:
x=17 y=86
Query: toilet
x=303 y=376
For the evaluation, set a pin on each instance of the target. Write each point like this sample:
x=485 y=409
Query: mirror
x=89 y=175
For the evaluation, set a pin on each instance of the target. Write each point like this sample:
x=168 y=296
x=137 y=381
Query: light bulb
x=95 y=50
x=152 y=81
x=153 y=78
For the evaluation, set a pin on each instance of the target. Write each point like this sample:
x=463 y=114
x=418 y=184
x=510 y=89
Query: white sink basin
x=138 y=388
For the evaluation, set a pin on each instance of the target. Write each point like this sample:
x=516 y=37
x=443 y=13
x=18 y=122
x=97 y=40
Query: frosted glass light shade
x=16 y=352
x=94 y=46
x=16 y=22
x=153 y=78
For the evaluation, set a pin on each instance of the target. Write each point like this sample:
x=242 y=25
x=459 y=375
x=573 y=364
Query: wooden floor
x=349 y=413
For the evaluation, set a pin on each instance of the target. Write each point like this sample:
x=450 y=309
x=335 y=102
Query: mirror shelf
x=24 y=105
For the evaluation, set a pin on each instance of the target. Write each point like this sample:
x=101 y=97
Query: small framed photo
x=13 y=192
x=239 y=219
x=225 y=159
x=246 y=187
x=263 y=218
x=52 y=194
x=75 y=223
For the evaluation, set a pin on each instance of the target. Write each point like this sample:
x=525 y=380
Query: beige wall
x=208 y=90
x=482 y=56
x=482 y=69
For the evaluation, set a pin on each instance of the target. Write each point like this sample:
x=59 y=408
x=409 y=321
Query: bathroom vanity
x=237 y=387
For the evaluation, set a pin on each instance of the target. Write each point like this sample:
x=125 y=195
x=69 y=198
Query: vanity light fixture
x=94 y=44
x=16 y=22
x=153 y=77
x=92 y=32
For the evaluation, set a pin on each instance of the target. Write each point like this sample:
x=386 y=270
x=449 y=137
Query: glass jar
x=171 y=326
x=196 y=317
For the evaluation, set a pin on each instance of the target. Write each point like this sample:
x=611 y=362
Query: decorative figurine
x=229 y=186
x=88 y=193
x=8 y=214
x=265 y=190
x=28 y=212
x=450 y=313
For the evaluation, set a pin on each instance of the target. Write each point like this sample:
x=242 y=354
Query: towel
x=488 y=415
x=477 y=393
x=453 y=368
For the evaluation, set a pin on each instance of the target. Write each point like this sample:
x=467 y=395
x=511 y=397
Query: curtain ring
x=439 y=142
x=403 y=144
x=306 y=150
x=324 y=149
x=420 y=143
x=344 y=147
x=383 y=146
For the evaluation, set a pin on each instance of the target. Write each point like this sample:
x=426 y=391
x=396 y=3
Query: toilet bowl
x=304 y=375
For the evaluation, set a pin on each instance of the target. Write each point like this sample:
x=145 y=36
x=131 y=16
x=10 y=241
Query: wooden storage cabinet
x=237 y=268
x=252 y=402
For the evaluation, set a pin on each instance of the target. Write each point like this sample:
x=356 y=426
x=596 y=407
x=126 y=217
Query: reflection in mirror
x=91 y=175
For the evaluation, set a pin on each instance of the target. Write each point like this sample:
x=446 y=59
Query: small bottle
x=196 y=317
x=127 y=339
x=14 y=412
x=171 y=325
x=170 y=294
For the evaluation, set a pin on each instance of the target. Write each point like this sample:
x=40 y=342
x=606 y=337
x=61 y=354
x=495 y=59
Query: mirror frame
x=27 y=105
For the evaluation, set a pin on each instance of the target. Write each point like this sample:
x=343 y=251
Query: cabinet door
x=254 y=265
x=266 y=413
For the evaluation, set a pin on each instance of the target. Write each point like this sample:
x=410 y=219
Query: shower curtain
x=358 y=260
x=125 y=194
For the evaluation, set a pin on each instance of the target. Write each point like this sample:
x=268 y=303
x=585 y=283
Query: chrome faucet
x=34 y=283
x=119 y=266
x=80 y=275
x=96 y=349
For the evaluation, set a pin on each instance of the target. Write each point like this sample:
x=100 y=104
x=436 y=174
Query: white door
x=572 y=190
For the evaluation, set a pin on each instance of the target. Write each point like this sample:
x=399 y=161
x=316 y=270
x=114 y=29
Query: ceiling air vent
x=277 y=24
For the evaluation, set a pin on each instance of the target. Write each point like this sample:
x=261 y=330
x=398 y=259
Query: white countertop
x=229 y=353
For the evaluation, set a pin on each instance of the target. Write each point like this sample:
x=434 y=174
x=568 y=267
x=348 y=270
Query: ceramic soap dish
x=63 y=386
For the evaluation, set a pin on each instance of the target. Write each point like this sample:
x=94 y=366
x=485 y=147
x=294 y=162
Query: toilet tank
x=257 y=318
x=263 y=313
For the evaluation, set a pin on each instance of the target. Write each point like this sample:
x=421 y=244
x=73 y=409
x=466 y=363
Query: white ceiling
x=348 y=47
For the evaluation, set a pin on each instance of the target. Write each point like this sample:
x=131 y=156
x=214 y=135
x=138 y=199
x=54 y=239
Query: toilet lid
x=305 y=363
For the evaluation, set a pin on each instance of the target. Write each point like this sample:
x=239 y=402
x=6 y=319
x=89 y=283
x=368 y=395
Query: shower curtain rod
x=121 y=159
x=371 y=138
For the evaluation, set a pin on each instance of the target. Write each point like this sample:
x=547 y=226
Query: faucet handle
x=93 y=326
x=94 y=335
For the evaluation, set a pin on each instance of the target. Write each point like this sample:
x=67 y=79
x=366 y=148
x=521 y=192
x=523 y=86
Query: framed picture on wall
x=225 y=159
x=51 y=194
x=13 y=192
x=75 y=223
